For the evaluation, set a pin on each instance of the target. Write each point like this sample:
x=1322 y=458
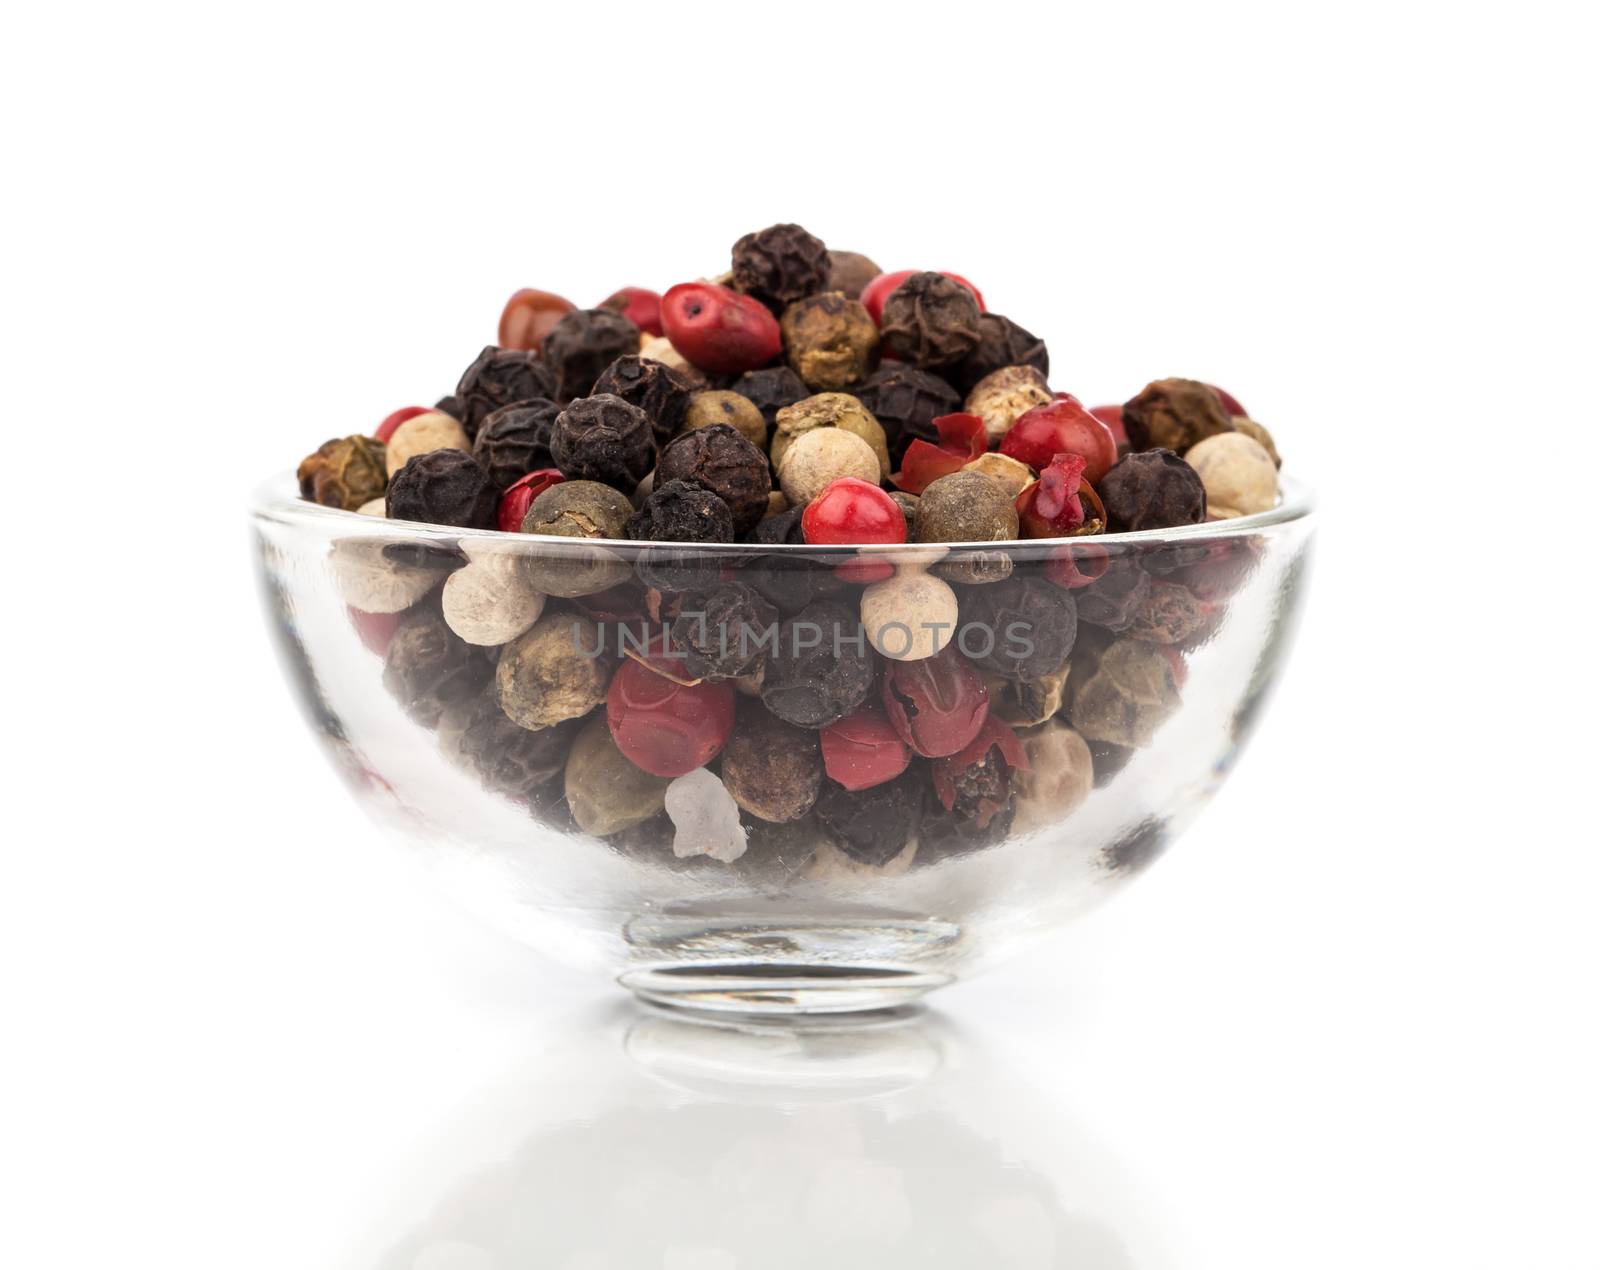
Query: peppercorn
x=431 y=430
x=1239 y=475
x=582 y=345
x=443 y=487
x=679 y=512
x=770 y=390
x=515 y=440
x=608 y=794
x=968 y=506
x=1025 y=703
x=369 y=580
x=930 y=320
x=476 y=736
x=426 y=668
x=1003 y=396
x=873 y=826
x=1170 y=614
x=1013 y=476
x=905 y=401
x=1111 y=600
x=821 y=667
x=654 y=387
x=937 y=704
x=491 y=601
x=659 y=349
x=780 y=264
x=665 y=726
x=1259 y=435
x=605 y=439
x=719 y=459
x=1123 y=694
x=499 y=377
x=1020 y=629
x=343 y=473
x=1001 y=343
x=1152 y=489
x=829 y=340
x=908 y=505
x=947 y=835
x=910 y=616
x=1174 y=414
x=772 y=768
x=821 y=457
x=1057 y=780
x=976 y=783
x=707 y=408
x=850 y=272
x=790 y=581
x=558 y=670
x=724 y=631
x=830 y=410
x=863 y=749
x=576 y=509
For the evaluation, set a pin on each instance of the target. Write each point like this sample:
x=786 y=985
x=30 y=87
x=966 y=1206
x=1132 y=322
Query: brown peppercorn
x=343 y=473
x=851 y=272
x=905 y=401
x=707 y=408
x=497 y=378
x=515 y=440
x=576 y=509
x=603 y=438
x=1004 y=396
x=1124 y=693
x=771 y=389
x=1001 y=342
x=968 y=506
x=582 y=345
x=559 y=670
x=1013 y=475
x=830 y=410
x=657 y=389
x=443 y=487
x=930 y=320
x=719 y=459
x=1152 y=489
x=780 y=264
x=608 y=794
x=434 y=430
x=1174 y=414
x=829 y=340
x=773 y=769
x=427 y=668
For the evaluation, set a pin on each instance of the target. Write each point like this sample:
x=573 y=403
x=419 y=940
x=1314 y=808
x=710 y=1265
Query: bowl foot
x=780 y=988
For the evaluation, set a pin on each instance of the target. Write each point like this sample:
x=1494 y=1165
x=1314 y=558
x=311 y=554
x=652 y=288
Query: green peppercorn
x=968 y=506
x=707 y=408
x=559 y=670
x=606 y=793
x=576 y=509
x=344 y=473
x=830 y=341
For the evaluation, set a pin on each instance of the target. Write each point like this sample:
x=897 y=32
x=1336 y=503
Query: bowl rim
x=278 y=500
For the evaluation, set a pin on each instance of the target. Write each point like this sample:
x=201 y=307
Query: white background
x=1349 y=1021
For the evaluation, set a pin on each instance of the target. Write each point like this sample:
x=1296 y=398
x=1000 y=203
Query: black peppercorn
x=452 y=406
x=770 y=390
x=582 y=345
x=947 y=834
x=930 y=320
x=476 y=735
x=873 y=826
x=1175 y=414
x=1020 y=629
x=443 y=487
x=603 y=439
x=1152 y=489
x=772 y=768
x=724 y=632
x=780 y=264
x=515 y=440
x=427 y=667
x=821 y=668
x=1111 y=600
x=906 y=401
x=499 y=377
x=679 y=512
x=722 y=460
x=1001 y=343
x=656 y=388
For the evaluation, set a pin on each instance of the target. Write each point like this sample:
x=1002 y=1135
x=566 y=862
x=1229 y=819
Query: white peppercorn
x=909 y=616
x=821 y=457
x=1239 y=475
x=421 y=434
x=1058 y=778
x=1004 y=396
x=490 y=601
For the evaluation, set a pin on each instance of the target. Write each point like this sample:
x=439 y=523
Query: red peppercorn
x=1230 y=403
x=718 y=329
x=937 y=704
x=864 y=570
x=639 y=305
x=947 y=772
x=514 y=503
x=663 y=727
x=1050 y=507
x=1077 y=564
x=1061 y=426
x=852 y=512
x=962 y=438
x=529 y=316
x=863 y=749
x=883 y=286
x=375 y=630
x=385 y=430
x=1111 y=416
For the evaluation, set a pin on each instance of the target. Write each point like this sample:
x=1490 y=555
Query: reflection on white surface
x=649 y=1141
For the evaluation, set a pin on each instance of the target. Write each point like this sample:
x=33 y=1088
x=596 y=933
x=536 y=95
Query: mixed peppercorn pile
x=836 y=713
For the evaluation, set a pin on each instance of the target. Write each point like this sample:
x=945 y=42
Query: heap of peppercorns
x=756 y=706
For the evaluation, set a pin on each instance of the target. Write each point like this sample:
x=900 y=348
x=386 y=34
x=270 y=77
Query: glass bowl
x=1094 y=691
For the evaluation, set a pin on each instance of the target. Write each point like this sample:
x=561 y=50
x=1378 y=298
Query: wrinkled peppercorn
x=905 y=401
x=427 y=668
x=499 y=377
x=443 y=487
x=872 y=826
x=476 y=736
x=780 y=264
x=1001 y=343
x=772 y=768
x=770 y=390
x=344 y=473
x=577 y=509
x=724 y=631
x=1123 y=694
x=1169 y=614
x=657 y=389
x=559 y=670
x=789 y=582
x=515 y=440
x=821 y=668
x=829 y=340
x=603 y=439
x=679 y=512
x=975 y=784
x=1174 y=414
x=719 y=459
x=582 y=345
x=1020 y=629
x=1111 y=600
x=930 y=320
x=1152 y=489
x=1003 y=397
x=851 y=272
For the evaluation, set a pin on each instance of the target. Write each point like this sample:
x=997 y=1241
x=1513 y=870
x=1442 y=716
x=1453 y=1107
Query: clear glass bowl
x=866 y=900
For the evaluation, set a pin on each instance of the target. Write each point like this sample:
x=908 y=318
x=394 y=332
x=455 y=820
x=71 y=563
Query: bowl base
x=778 y=988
